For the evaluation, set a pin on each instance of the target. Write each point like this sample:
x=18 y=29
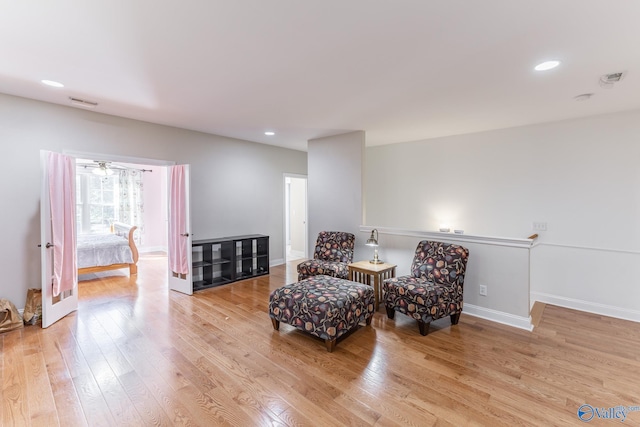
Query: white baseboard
x=498 y=316
x=589 y=307
x=147 y=249
x=296 y=254
x=274 y=262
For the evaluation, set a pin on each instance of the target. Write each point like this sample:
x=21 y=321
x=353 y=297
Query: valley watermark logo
x=587 y=412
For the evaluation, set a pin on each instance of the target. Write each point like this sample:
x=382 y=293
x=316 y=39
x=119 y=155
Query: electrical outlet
x=539 y=226
x=483 y=290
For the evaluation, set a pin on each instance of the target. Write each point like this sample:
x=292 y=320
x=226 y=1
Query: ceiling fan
x=98 y=167
x=103 y=169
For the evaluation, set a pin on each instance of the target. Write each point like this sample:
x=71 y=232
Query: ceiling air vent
x=608 y=80
x=83 y=102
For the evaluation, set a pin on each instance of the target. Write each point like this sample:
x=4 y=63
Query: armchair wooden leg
x=423 y=327
x=368 y=321
x=390 y=312
x=275 y=323
x=455 y=318
x=331 y=344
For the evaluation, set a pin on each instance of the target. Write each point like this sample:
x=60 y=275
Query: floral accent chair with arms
x=434 y=289
x=333 y=253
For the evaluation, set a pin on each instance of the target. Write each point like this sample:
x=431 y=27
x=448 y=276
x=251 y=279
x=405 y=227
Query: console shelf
x=229 y=259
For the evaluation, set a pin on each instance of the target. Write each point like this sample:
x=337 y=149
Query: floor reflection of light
x=376 y=370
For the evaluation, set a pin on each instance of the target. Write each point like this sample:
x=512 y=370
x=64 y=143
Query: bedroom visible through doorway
x=129 y=193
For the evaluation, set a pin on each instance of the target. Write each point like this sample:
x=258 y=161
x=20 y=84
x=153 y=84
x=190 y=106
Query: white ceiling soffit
x=399 y=70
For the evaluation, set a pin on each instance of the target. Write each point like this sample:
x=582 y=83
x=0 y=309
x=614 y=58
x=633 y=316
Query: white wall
x=236 y=185
x=579 y=176
x=335 y=182
x=596 y=280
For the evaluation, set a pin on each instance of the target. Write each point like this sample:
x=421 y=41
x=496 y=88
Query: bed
x=102 y=252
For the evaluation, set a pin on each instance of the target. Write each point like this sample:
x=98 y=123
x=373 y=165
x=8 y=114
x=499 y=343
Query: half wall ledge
x=453 y=237
x=501 y=263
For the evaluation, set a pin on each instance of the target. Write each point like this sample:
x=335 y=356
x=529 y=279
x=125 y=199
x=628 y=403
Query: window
x=96 y=203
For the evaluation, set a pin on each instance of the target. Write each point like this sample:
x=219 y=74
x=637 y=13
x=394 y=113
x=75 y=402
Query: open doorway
x=116 y=199
x=295 y=209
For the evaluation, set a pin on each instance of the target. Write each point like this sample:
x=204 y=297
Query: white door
x=180 y=238
x=53 y=308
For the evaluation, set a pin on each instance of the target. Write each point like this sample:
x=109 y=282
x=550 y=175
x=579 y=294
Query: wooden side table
x=366 y=272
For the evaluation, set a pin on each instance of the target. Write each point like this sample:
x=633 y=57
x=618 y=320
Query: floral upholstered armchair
x=433 y=289
x=333 y=253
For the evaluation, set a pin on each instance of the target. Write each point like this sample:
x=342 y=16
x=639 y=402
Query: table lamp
x=373 y=241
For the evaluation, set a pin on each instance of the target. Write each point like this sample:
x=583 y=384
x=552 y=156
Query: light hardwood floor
x=136 y=354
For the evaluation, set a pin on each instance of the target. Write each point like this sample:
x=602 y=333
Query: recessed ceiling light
x=269 y=133
x=52 y=83
x=547 y=65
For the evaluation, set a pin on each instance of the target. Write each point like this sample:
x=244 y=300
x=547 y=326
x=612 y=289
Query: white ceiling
x=399 y=70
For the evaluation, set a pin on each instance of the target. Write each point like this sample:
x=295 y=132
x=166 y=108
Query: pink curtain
x=63 y=215
x=177 y=220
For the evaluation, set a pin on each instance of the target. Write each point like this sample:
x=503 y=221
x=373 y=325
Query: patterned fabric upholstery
x=435 y=287
x=333 y=253
x=324 y=306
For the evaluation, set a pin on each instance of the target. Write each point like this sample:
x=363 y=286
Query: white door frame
x=185 y=284
x=285 y=214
